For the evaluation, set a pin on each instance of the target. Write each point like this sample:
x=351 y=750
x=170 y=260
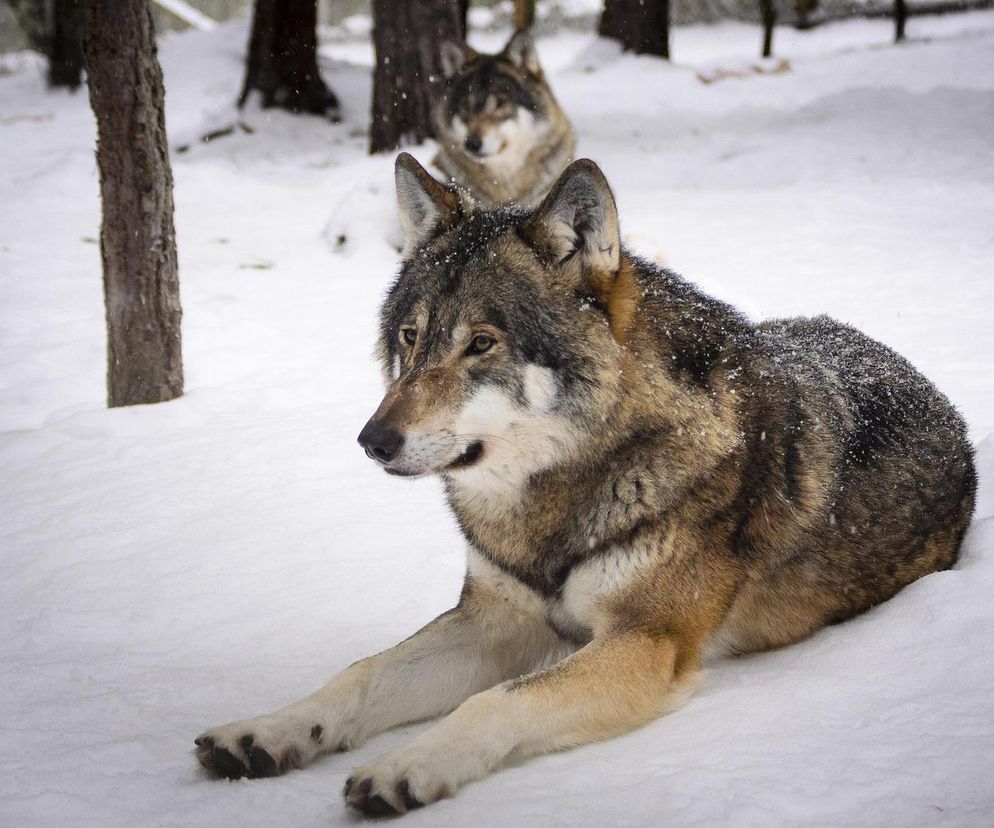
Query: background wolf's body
x=641 y=473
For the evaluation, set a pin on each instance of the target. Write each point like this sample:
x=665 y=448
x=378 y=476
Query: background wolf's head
x=496 y=107
x=500 y=338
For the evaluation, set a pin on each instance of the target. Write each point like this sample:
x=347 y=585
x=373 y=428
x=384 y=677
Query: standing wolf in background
x=642 y=475
x=501 y=133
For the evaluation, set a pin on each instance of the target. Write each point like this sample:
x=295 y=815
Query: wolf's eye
x=409 y=336
x=481 y=344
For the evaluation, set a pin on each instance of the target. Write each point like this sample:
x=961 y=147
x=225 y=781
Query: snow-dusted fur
x=639 y=473
x=170 y=567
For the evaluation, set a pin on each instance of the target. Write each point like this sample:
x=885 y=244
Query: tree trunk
x=54 y=28
x=768 y=14
x=408 y=35
x=642 y=26
x=803 y=10
x=282 y=61
x=137 y=240
x=900 y=19
x=524 y=13
x=65 y=58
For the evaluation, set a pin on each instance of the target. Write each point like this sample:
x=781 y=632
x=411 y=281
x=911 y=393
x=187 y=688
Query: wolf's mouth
x=471 y=454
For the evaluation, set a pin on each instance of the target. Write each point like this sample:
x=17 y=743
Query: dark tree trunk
x=768 y=14
x=900 y=19
x=408 y=35
x=642 y=26
x=282 y=61
x=65 y=58
x=54 y=28
x=137 y=240
x=803 y=10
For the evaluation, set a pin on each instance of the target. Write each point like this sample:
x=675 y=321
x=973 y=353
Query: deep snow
x=168 y=568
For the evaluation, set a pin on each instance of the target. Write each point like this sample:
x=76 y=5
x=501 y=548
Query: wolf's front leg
x=609 y=687
x=480 y=643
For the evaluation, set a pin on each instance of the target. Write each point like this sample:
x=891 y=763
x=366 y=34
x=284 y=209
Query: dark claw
x=225 y=764
x=404 y=792
x=204 y=741
x=246 y=741
x=261 y=764
x=377 y=806
x=348 y=785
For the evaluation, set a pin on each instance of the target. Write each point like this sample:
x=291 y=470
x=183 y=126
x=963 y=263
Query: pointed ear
x=577 y=223
x=520 y=51
x=424 y=203
x=454 y=56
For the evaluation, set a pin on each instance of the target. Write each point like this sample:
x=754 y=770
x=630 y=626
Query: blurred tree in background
x=524 y=13
x=768 y=16
x=55 y=28
x=282 y=64
x=408 y=37
x=641 y=26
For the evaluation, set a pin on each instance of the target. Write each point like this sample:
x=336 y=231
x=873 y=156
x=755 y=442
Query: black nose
x=474 y=143
x=381 y=442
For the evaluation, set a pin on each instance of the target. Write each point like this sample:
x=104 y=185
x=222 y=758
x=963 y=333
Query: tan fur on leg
x=611 y=686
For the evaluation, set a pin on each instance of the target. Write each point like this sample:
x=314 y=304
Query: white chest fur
x=592 y=587
x=584 y=604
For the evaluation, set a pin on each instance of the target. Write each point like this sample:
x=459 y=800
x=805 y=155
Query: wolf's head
x=501 y=338
x=496 y=107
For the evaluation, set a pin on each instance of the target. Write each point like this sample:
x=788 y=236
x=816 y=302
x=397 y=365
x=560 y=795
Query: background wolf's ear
x=424 y=203
x=578 y=221
x=520 y=51
x=454 y=56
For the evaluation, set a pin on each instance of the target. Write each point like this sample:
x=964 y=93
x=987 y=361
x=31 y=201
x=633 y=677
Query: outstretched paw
x=258 y=748
x=398 y=783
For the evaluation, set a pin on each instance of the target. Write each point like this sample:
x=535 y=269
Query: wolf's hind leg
x=611 y=686
x=480 y=643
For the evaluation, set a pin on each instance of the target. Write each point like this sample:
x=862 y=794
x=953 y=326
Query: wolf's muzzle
x=380 y=442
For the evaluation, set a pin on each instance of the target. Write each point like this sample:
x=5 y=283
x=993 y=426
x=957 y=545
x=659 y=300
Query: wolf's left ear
x=454 y=56
x=520 y=51
x=424 y=203
x=578 y=221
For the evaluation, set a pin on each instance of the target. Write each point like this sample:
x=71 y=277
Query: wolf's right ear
x=577 y=223
x=424 y=203
x=520 y=51
x=454 y=56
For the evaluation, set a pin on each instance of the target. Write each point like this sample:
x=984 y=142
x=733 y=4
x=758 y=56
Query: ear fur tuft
x=520 y=51
x=579 y=220
x=454 y=56
x=424 y=203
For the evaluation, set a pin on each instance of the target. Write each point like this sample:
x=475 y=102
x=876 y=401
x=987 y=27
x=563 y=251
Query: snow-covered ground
x=168 y=568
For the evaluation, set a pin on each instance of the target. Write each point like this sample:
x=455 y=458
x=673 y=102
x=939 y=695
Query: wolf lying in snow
x=641 y=475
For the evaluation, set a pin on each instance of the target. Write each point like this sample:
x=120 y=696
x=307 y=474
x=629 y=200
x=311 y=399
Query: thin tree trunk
x=282 y=62
x=768 y=14
x=137 y=240
x=524 y=13
x=408 y=77
x=900 y=19
x=642 y=26
x=65 y=58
